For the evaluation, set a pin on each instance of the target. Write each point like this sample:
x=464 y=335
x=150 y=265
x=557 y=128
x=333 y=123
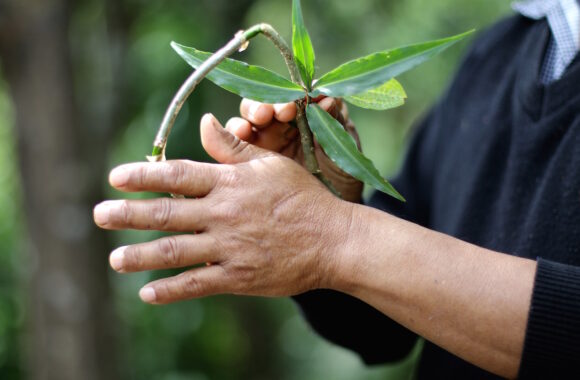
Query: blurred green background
x=83 y=87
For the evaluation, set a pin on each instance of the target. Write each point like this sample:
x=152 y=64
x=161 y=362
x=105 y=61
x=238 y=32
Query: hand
x=264 y=223
x=268 y=126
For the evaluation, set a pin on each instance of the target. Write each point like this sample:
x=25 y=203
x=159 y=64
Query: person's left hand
x=264 y=223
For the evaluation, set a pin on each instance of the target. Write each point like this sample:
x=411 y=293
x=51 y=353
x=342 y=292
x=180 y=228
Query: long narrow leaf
x=342 y=150
x=249 y=81
x=388 y=95
x=301 y=45
x=368 y=72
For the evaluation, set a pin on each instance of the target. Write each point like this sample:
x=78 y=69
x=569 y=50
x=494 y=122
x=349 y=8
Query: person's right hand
x=269 y=126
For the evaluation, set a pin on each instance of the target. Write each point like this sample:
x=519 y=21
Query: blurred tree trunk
x=71 y=320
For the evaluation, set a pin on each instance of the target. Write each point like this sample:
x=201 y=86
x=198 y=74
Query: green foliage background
x=227 y=337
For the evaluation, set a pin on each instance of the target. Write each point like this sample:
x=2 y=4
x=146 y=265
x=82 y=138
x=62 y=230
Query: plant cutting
x=367 y=82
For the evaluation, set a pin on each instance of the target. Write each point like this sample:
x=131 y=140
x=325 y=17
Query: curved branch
x=239 y=43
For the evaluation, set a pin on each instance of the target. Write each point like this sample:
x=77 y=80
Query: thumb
x=332 y=106
x=225 y=147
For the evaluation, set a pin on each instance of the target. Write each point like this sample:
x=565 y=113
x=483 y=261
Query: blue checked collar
x=564 y=20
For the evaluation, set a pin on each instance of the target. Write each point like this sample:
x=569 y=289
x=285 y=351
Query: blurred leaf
x=388 y=95
x=301 y=45
x=342 y=150
x=368 y=72
x=252 y=82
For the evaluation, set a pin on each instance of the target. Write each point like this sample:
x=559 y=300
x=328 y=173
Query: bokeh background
x=83 y=87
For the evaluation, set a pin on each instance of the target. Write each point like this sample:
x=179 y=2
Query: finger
x=276 y=137
x=194 y=283
x=223 y=146
x=165 y=253
x=176 y=176
x=163 y=214
x=331 y=106
x=293 y=151
x=285 y=112
x=343 y=108
x=319 y=98
x=241 y=128
x=255 y=112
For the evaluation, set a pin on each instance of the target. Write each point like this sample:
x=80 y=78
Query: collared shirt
x=564 y=20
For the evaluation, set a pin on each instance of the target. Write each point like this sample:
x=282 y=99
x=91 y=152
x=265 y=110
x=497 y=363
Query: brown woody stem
x=307 y=143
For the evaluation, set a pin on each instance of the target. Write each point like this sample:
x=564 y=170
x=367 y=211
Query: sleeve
x=552 y=343
x=351 y=323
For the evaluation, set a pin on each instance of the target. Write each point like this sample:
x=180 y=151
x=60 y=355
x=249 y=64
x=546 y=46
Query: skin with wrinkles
x=267 y=227
x=226 y=222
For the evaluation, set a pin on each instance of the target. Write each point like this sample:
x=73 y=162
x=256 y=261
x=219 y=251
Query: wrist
x=349 y=187
x=373 y=237
x=340 y=265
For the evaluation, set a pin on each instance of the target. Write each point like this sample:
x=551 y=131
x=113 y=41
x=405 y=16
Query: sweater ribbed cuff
x=552 y=343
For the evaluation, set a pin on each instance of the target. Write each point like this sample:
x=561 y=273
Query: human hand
x=264 y=223
x=269 y=126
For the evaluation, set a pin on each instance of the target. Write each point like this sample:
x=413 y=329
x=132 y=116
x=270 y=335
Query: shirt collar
x=563 y=17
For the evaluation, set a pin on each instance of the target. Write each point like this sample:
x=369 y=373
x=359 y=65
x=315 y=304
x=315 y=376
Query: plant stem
x=306 y=139
x=186 y=89
x=307 y=143
x=239 y=42
x=235 y=44
x=287 y=54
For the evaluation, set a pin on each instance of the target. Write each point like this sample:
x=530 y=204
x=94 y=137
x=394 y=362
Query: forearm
x=471 y=301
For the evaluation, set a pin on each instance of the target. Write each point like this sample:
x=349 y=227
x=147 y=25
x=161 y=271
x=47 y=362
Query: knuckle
x=191 y=286
x=243 y=275
x=230 y=213
x=238 y=145
x=246 y=274
x=230 y=175
x=132 y=259
x=162 y=213
x=170 y=252
x=177 y=175
x=124 y=214
x=139 y=177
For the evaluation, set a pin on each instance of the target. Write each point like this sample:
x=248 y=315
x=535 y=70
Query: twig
x=239 y=42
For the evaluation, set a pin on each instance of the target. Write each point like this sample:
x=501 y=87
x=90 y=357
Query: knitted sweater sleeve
x=552 y=343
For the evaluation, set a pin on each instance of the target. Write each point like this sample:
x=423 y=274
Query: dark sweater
x=495 y=163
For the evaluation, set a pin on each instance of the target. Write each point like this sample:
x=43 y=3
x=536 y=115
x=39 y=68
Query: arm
x=470 y=301
x=271 y=229
x=336 y=316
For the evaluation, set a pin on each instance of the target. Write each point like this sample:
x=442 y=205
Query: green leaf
x=252 y=82
x=389 y=95
x=302 y=46
x=368 y=72
x=342 y=150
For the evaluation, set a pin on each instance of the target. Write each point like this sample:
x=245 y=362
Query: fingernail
x=119 y=176
x=147 y=294
x=116 y=258
x=254 y=108
x=101 y=212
